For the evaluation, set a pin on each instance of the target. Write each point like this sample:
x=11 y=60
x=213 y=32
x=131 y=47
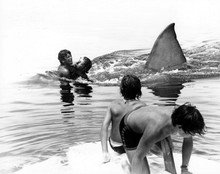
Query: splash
x=203 y=61
x=85 y=158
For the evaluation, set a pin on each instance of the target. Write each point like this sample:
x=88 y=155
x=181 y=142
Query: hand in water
x=106 y=158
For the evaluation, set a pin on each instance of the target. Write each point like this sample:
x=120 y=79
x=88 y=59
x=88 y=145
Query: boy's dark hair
x=62 y=54
x=130 y=87
x=189 y=118
x=88 y=63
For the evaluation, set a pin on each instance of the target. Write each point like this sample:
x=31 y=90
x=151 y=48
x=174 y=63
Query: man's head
x=65 y=57
x=130 y=87
x=189 y=119
x=84 y=65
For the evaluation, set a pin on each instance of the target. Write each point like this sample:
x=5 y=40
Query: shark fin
x=166 y=52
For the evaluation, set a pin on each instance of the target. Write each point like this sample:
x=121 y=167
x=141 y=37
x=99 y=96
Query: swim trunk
x=117 y=147
x=129 y=138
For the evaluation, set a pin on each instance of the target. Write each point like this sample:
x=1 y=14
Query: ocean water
x=42 y=119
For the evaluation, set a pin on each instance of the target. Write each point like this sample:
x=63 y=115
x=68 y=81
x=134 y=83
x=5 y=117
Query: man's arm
x=104 y=135
x=187 y=148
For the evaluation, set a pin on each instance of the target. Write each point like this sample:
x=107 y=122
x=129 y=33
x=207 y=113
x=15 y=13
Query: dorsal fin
x=166 y=52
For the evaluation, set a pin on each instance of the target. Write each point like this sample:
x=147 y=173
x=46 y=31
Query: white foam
x=86 y=159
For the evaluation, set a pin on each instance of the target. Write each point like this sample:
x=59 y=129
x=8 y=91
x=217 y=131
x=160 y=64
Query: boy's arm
x=76 y=72
x=104 y=135
x=83 y=75
x=187 y=148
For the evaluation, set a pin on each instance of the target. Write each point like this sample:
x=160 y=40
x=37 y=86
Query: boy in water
x=130 y=89
x=146 y=126
x=73 y=71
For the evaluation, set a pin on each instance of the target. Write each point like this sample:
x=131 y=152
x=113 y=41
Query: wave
x=203 y=61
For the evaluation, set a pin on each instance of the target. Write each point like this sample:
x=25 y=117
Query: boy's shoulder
x=117 y=105
x=118 y=102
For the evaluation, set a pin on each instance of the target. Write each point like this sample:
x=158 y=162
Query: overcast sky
x=32 y=32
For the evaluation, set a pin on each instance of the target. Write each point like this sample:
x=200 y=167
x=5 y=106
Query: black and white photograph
x=109 y=86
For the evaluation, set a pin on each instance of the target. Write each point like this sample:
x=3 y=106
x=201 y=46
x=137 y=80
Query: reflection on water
x=168 y=92
x=83 y=90
x=66 y=94
x=40 y=121
x=67 y=97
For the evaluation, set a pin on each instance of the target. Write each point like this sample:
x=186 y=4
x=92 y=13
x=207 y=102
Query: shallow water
x=42 y=120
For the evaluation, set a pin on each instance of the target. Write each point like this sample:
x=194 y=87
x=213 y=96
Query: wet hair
x=85 y=64
x=62 y=54
x=189 y=119
x=130 y=87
